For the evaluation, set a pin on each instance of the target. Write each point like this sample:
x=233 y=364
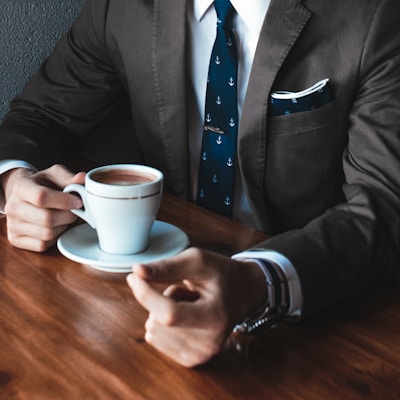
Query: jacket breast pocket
x=302 y=122
x=304 y=173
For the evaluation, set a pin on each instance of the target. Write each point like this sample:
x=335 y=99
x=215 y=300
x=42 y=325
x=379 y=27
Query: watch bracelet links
x=275 y=308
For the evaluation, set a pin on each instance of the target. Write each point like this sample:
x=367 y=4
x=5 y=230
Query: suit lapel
x=169 y=72
x=283 y=24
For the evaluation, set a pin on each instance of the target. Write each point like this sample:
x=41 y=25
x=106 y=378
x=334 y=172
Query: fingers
x=21 y=210
x=167 y=310
x=37 y=210
x=39 y=241
x=189 y=347
x=179 y=306
x=43 y=190
x=180 y=330
x=189 y=264
x=180 y=293
x=59 y=176
x=33 y=228
x=152 y=300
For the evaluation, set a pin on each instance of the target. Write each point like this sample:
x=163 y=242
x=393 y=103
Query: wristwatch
x=275 y=308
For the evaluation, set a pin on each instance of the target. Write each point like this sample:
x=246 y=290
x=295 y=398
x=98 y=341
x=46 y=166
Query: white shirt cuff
x=7 y=165
x=295 y=293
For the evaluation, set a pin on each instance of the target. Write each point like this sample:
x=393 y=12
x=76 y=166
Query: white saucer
x=80 y=244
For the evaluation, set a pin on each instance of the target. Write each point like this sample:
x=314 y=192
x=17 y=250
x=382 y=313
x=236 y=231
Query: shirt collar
x=253 y=16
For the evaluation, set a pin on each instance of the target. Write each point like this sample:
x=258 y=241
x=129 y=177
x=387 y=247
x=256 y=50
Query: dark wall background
x=29 y=30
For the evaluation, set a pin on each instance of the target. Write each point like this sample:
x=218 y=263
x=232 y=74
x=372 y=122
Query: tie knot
x=225 y=12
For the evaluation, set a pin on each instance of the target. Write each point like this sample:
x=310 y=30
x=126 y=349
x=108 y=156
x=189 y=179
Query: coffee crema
x=123 y=177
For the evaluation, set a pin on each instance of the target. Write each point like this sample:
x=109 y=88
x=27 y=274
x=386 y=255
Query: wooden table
x=68 y=331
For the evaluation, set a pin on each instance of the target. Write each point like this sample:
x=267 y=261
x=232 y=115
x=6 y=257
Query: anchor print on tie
x=228 y=201
x=217 y=157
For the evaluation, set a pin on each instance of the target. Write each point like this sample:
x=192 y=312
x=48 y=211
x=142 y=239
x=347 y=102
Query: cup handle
x=81 y=212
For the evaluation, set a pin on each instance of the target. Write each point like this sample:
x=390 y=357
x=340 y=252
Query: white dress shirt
x=202 y=31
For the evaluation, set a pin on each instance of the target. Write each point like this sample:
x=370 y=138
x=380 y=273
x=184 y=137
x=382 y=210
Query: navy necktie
x=217 y=161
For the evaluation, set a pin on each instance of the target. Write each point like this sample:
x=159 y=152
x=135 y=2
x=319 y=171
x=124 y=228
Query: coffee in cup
x=123 y=177
x=121 y=202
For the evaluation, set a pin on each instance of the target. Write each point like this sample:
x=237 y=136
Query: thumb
x=56 y=176
x=191 y=264
x=78 y=178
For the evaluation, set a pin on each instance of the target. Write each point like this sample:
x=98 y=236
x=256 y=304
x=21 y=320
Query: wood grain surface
x=68 y=331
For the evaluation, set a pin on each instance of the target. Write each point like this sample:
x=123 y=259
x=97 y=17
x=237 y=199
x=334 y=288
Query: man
x=324 y=181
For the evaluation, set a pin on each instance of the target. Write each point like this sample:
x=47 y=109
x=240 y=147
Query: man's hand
x=207 y=295
x=37 y=210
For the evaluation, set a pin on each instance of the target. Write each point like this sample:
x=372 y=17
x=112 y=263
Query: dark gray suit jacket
x=325 y=182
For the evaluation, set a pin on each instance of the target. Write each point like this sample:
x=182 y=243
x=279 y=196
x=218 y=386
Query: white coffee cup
x=121 y=202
